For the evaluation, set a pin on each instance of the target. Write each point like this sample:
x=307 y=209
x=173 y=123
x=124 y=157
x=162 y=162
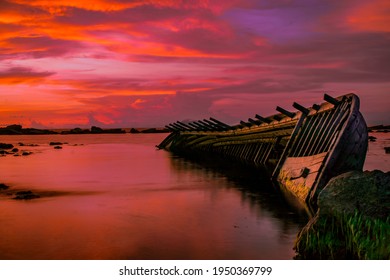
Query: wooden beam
x=265 y=120
x=221 y=123
x=253 y=121
x=285 y=112
x=316 y=107
x=299 y=107
x=217 y=126
x=245 y=124
x=331 y=100
x=185 y=125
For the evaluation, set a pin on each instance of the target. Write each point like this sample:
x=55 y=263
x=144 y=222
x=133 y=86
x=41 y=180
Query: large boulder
x=365 y=192
x=352 y=221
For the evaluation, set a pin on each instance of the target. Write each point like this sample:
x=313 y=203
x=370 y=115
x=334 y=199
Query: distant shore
x=379 y=128
x=16 y=129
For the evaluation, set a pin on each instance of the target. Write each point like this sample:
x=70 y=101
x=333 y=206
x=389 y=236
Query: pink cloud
x=129 y=63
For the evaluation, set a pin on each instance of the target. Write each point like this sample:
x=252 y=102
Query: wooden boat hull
x=302 y=151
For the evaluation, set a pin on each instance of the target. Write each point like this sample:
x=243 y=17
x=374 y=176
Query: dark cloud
x=38 y=47
x=15 y=75
x=21 y=10
x=138 y=15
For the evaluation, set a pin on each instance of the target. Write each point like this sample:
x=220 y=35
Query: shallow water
x=117 y=197
x=376 y=156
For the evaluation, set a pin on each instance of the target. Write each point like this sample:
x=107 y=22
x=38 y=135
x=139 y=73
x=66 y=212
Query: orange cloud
x=164 y=50
x=137 y=103
x=373 y=16
x=96 y=5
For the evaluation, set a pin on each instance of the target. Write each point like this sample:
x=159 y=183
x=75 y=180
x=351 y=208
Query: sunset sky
x=129 y=63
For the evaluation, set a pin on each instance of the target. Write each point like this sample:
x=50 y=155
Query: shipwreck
x=300 y=150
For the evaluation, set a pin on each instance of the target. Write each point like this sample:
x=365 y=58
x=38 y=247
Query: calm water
x=117 y=197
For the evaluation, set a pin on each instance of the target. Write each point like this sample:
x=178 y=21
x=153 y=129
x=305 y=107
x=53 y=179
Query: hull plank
x=298 y=175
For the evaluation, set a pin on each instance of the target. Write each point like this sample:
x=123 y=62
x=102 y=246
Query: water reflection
x=139 y=203
x=254 y=187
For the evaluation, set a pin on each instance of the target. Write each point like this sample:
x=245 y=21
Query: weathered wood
x=245 y=124
x=171 y=128
x=286 y=150
x=285 y=112
x=253 y=121
x=217 y=126
x=206 y=125
x=301 y=108
x=185 y=125
x=220 y=123
x=301 y=150
x=264 y=120
x=176 y=126
x=313 y=133
x=316 y=107
x=331 y=100
x=290 y=177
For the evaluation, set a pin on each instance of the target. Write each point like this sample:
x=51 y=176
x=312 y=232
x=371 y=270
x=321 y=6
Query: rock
x=14 y=127
x=133 y=130
x=372 y=138
x=25 y=153
x=57 y=147
x=387 y=150
x=352 y=221
x=6 y=146
x=55 y=143
x=15 y=150
x=25 y=195
x=95 y=129
x=30 y=145
x=366 y=192
x=3 y=187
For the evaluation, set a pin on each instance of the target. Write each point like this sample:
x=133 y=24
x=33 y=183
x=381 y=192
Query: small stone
x=6 y=146
x=3 y=186
x=372 y=138
x=57 y=147
x=25 y=195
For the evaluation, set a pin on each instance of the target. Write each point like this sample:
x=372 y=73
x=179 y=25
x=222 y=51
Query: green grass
x=346 y=237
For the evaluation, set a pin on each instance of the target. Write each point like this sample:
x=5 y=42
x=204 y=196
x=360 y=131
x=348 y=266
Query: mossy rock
x=365 y=192
x=352 y=221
